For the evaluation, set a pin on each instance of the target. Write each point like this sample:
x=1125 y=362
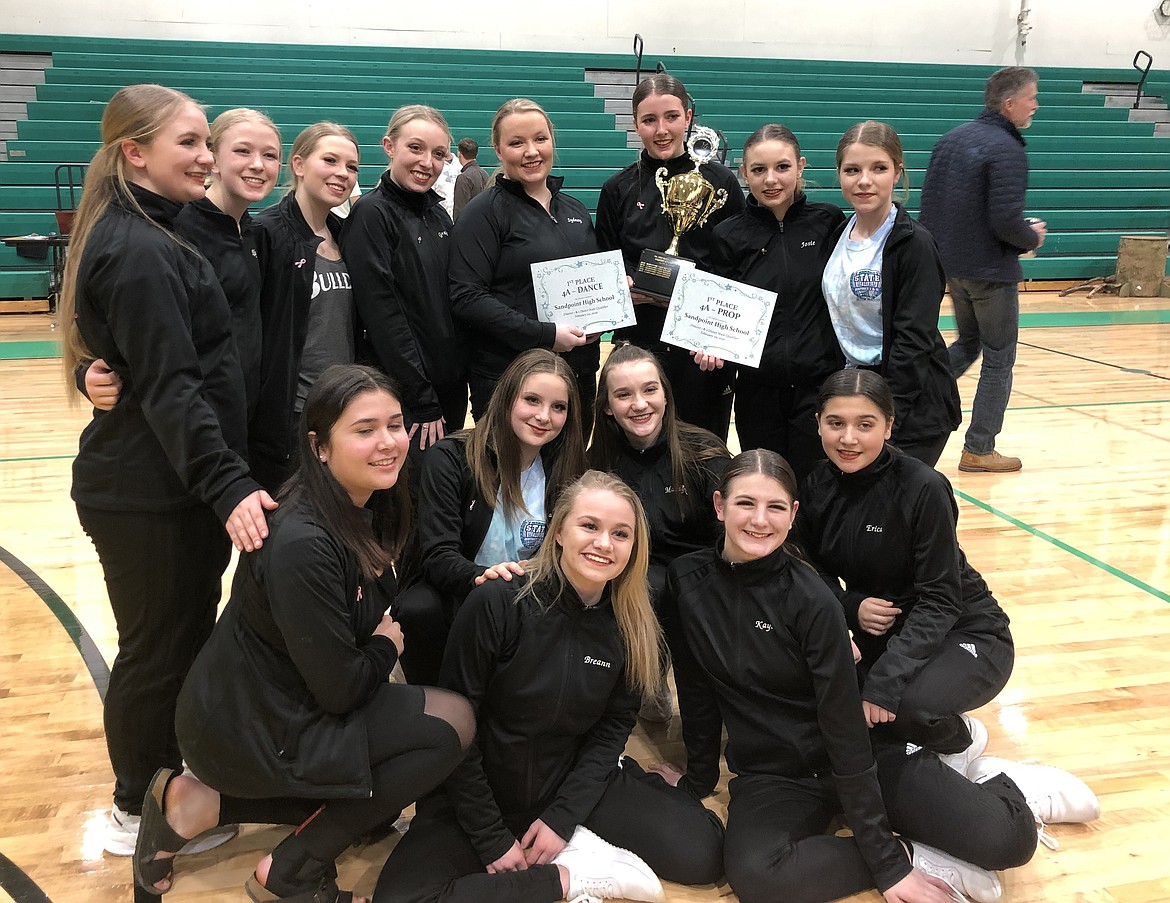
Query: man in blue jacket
x=973 y=204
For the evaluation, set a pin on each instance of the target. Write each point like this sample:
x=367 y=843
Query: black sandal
x=296 y=877
x=156 y=836
x=326 y=892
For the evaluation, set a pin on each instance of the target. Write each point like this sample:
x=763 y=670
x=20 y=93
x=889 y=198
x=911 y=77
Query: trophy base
x=658 y=272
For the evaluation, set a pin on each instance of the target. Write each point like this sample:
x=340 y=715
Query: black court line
x=1093 y=360
x=99 y=671
x=13 y=881
x=19 y=886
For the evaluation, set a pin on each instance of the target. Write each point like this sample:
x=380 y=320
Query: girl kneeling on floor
x=287 y=716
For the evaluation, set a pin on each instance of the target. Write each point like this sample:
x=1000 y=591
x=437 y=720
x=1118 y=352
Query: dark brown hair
x=660 y=83
x=848 y=383
x=312 y=480
x=688 y=445
x=774 y=131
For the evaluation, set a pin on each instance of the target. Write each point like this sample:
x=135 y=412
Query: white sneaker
x=601 y=871
x=122 y=835
x=962 y=760
x=963 y=878
x=1053 y=795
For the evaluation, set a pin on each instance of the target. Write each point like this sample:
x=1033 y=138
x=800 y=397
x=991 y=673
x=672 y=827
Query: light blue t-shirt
x=517 y=536
x=852 y=285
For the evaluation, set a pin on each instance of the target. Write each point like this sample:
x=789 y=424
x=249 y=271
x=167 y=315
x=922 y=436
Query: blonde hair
x=414 y=111
x=306 y=142
x=629 y=591
x=515 y=107
x=136 y=113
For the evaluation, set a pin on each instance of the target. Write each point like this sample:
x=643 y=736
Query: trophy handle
x=661 y=181
x=717 y=201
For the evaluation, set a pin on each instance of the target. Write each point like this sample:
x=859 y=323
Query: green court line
x=37 y=458
x=1064 y=546
x=1081 y=404
x=17 y=351
x=22 y=351
x=1081 y=318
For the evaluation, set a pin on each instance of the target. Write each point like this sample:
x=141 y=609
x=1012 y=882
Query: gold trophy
x=688 y=200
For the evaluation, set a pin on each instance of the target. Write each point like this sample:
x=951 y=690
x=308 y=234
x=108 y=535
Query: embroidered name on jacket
x=573 y=219
x=809 y=244
x=873 y=528
x=764 y=625
x=590 y=660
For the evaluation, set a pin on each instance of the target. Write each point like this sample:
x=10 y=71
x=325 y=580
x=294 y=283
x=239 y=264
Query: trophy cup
x=688 y=200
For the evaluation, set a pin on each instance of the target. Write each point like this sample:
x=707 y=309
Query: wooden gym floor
x=1075 y=547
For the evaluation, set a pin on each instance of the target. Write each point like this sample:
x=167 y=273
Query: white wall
x=1064 y=32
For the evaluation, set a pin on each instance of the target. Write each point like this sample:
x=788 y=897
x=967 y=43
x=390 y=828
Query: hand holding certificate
x=719 y=317
x=589 y=292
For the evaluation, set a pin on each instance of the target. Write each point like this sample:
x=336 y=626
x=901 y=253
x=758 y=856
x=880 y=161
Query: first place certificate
x=589 y=292
x=720 y=317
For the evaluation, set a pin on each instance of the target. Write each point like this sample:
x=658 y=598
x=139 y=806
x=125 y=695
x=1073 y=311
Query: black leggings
x=425 y=615
x=702 y=398
x=927 y=450
x=781 y=418
x=679 y=838
x=777 y=849
x=416 y=736
x=967 y=671
x=162 y=572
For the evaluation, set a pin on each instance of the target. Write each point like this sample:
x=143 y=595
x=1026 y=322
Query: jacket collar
x=752 y=572
x=515 y=188
x=764 y=215
x=162 y=210
x=650 y=455
x=418 y=202
x=569 y=601
x=869 y=474
x=997 y=119
x=290 y=211
x=674 y=166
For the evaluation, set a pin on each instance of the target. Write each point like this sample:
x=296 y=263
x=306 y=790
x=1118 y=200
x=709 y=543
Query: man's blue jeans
x=987 y=315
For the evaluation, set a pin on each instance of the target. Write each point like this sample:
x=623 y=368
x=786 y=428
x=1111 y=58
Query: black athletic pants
x=776 y=848
x=780 y=418
x=425 y=615
x=927 y=450
x=679 y=838
x=702 y=398
x=967 y=671
x=162 y=573
x=416 y=737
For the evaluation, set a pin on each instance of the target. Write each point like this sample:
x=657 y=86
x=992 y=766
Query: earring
x=322 y=457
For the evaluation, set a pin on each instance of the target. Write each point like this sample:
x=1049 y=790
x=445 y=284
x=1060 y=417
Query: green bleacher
x=1095 y=176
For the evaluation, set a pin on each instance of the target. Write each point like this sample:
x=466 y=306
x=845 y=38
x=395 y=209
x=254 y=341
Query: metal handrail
x=638 y=45
x=1146 y=71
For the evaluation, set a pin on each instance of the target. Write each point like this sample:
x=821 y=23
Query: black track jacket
x=396 y=246
x=762 y=648
x=152 y=307
x=547 y=679
x=889 y=531
x=787 y=257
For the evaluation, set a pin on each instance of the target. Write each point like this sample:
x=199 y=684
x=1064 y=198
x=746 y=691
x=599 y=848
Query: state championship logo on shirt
x=531 y=534
x=866 y=284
